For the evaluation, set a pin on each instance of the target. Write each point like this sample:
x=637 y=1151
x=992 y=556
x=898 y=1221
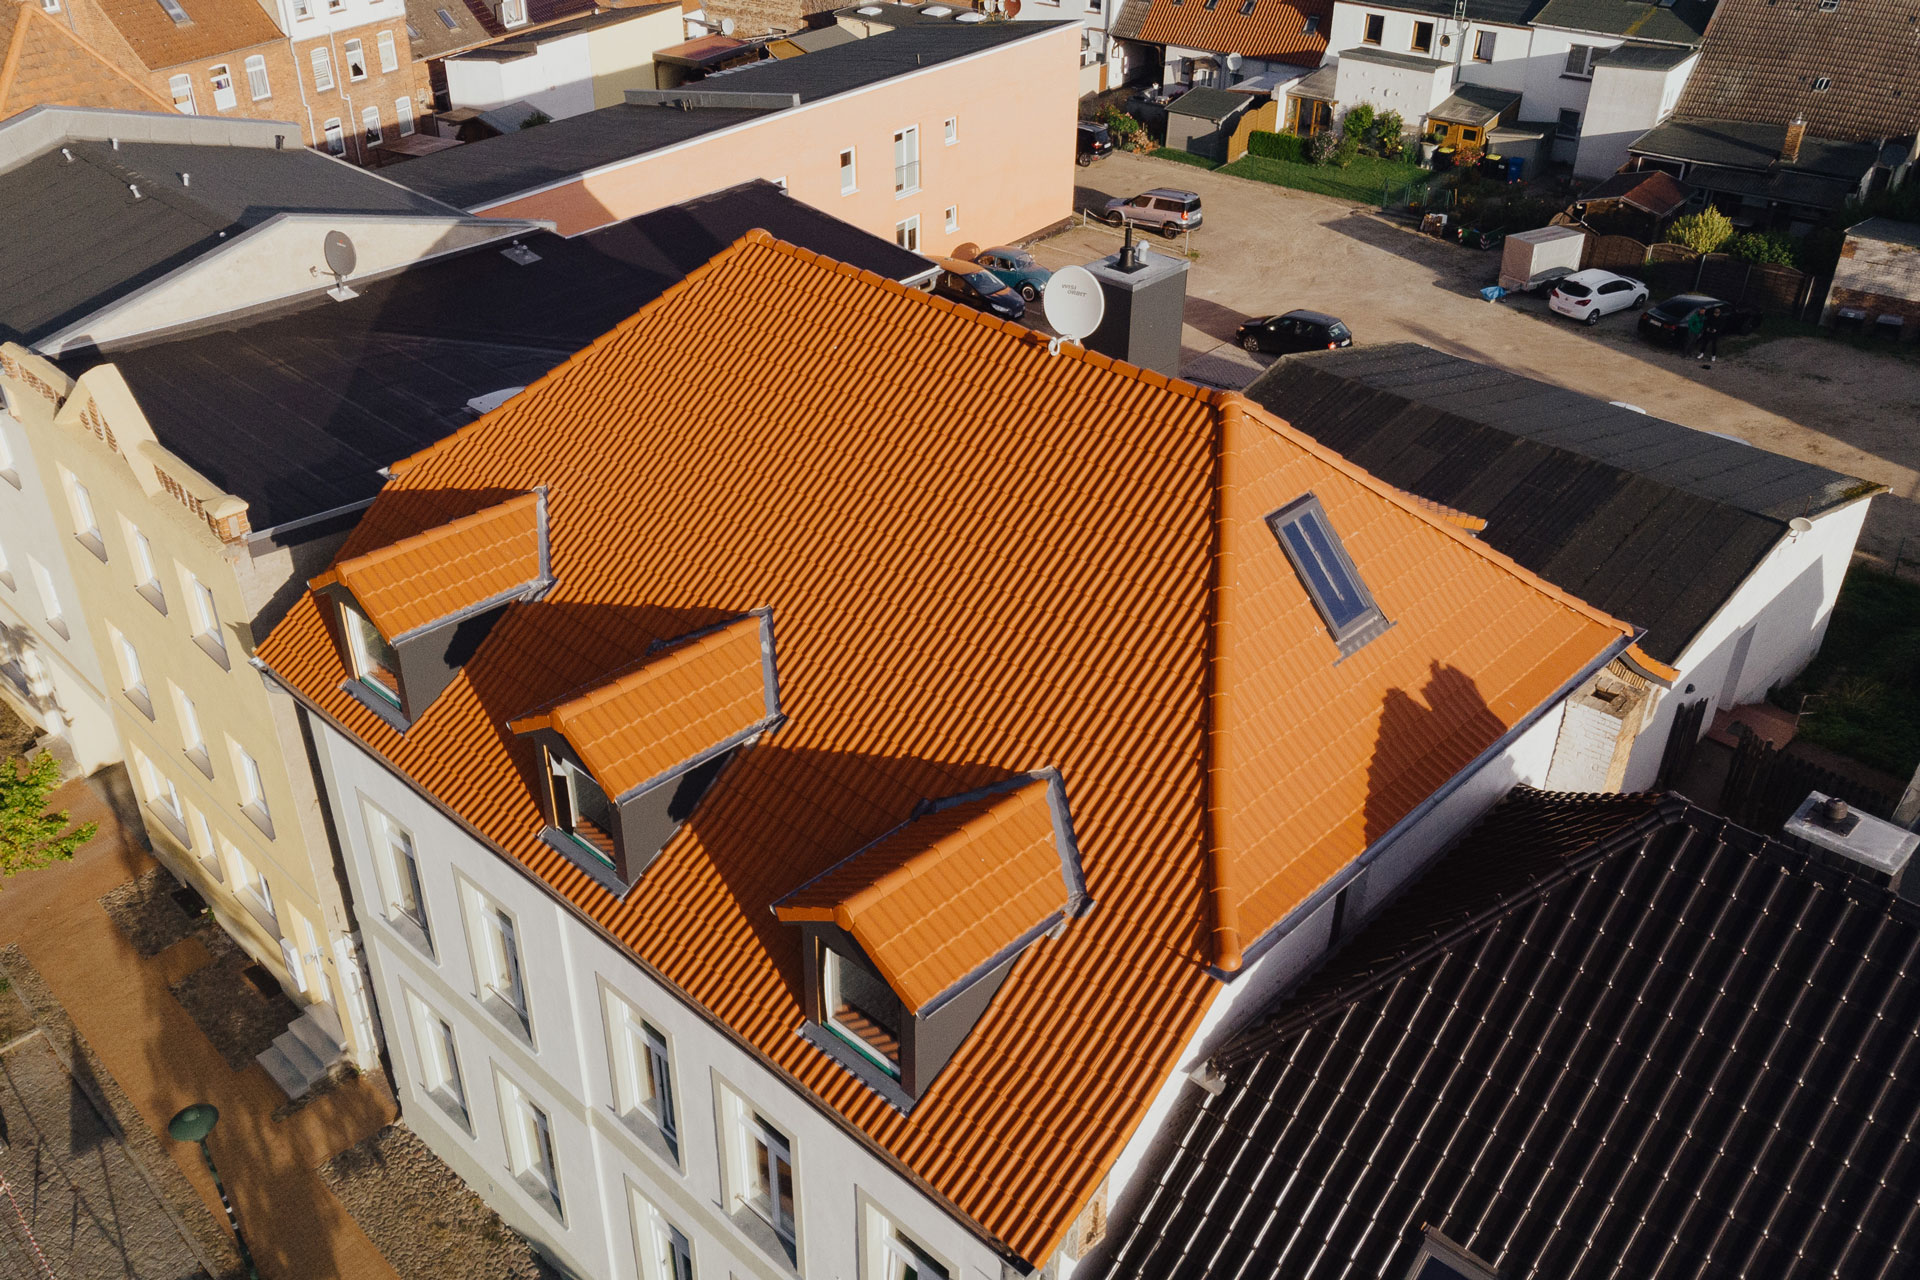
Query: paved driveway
x=1266 y=249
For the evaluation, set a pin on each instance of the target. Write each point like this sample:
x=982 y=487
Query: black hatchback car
x=973 y=284
x=1295 y=331
x=1092 y=141
x=1667 y=322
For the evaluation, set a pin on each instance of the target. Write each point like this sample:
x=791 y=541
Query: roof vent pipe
x=1876 y=851
x=68 y=154
x=134 y=187
x=115 y=142
x=186 y=179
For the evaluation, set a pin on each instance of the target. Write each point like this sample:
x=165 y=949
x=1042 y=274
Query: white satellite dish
x=1074 y=303
x=1800 y=525
x=726 y=26
x=1233 y=62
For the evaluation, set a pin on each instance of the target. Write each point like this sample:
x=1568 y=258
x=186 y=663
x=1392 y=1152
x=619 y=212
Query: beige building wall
x=621 y=54
x=171 y=594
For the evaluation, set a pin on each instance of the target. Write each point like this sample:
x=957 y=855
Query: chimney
x=1790 y=145
x=1873 y=850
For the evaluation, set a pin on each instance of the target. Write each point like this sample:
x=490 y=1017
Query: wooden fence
x=1674 y=268
x=1765 y=785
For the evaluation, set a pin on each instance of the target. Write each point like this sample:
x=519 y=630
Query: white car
x=1588 y=295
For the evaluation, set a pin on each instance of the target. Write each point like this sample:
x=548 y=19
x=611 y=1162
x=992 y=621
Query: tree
x=30 y=836
x=1702 y=232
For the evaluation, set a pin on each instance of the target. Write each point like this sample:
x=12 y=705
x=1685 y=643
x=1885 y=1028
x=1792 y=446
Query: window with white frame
x=862 y=1010
x=953 y=218
x=202 y=840
x=1483 y=43
x=513 y=13
x=162 y=796
x=764 y=1181
x=221 y=76
x=439 y=1053
x=642 y=1071
x=253 y=790
x=530 y=1151
x=1580 y=61
x=86 y=525
x=581 y=808
x=6 y=571
x=146 y=573
x=49 y=598
x=389 y=57
x=397 y=865
x=849 y=180
x=336 y=137
x=290 y=953
x=322 y=69
x=403 y=115
x=891 y=1254
x=661 y=1250
x=133 y=680
x=51 y=6
x=375 y=664
x=250 y=878
x=951 y=130
x=906 y=161
x=906 y=234
x=205 y=619
x=499 y=975
x=180 y=89
x=257 y=84
x=7 y=471
x=354 y=54
x=302 y=10
x=193 y=739
x=370 y=123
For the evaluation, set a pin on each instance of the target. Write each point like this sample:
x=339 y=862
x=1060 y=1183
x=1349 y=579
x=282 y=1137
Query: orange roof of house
x=939 y=898
x=44 y=64
x=214 y=27
x=1071 y=570
x=1276 y=30
x=418 y=580
x=678 y=704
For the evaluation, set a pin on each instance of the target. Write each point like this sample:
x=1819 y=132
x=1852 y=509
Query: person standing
x=1696 y=330
x=1710 y=336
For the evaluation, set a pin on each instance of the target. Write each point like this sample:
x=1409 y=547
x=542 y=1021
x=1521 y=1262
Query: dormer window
x=627 y=761
x=908 y=938
x=411 y=613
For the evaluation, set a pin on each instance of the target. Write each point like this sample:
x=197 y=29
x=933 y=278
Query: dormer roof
x=955 y=891
x=685 y=701
x=461 y=567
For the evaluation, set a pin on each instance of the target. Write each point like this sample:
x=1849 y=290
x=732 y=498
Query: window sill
x=859 y=1066
x=59 y=627
x=259 y=817
x=91 y=541
x=171 y=825
x=452 y=1106
x=910 y=191
x=201 y=760
x=262 y=914
x=599 y=872
x=150 y=592
x=380 y=706
x=410 y=929
x=6 y=577
x=211 y=646
x=540 y=1193
x=1568 y=75
x=761 y=1232
x=650 y=1135
x=139 y=699
x=507 y=1016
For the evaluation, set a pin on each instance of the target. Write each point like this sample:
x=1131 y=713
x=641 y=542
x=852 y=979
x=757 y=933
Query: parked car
x=1295 y=331
x=1667 y=322
x=1588 y=295
x=1092 y=141
x=973 y=284
x=1162 y=209
x=1016 y=269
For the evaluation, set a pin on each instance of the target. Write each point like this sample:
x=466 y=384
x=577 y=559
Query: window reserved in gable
x=861 y=1009
x=848 y=183
x=1342 y=599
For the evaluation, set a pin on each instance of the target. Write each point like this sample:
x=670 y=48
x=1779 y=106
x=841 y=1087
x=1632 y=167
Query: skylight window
x=1246 y=8
x=446 y=19
x=1328 y=574
x=174 y=11
x=1822 y=83
x=1313 y=24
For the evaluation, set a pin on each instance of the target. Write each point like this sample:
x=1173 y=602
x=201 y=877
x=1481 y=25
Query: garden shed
x=1202 y=122
x=1878 y=274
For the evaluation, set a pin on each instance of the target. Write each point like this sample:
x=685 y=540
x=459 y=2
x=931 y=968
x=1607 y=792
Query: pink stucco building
x=933 y=136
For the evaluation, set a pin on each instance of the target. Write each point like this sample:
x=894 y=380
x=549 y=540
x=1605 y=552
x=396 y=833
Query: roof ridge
x=426 y=537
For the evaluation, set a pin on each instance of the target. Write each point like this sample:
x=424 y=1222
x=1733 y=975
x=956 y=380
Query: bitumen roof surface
x=1636 y=55
x=1654 y=522
x=1394 y=58
x=1747 y=144
x=78 y=236
x=485 y=172
x=1604 y=1036
x=1208 y=104
x=1684 y=22
x=297 y=413
x=1475 y=104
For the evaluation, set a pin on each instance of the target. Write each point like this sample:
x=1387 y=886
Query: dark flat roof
x=1749 y=144
x=1388 y=57
x=1637 y=56
x=1652 y=521
x=1604 y=1036
x=1512 y=13
x=1682 y=23
x=1475 y=104
x=77 y=238
x=482 y=172
x=297 y=412
x=1208 y=104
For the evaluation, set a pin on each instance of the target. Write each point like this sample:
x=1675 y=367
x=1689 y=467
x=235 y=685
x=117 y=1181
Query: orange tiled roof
x=420 y=579
x=1276 y=30
x=42 y=63
x=983 y=557
x=1452 y=515
x=936 y=900
x=694 y=696
x=214 y=27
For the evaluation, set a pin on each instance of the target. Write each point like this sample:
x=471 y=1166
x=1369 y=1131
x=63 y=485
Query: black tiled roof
x=1653 y=522
x=484 y=172
x=297 y=413
x=1605 y=1036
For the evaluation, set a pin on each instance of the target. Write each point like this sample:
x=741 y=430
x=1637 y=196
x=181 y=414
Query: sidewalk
x=120 y=1003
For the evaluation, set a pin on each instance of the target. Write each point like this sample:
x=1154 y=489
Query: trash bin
x=1493 y=168
x=1443 y=160
x=1516 y=167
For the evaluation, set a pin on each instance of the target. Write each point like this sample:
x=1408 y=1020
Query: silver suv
x=1163 y=209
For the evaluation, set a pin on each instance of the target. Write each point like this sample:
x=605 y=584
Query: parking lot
x=1265 y=249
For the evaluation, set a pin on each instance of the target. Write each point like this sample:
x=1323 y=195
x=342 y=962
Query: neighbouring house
x=358 y=91
x=441 y=29
x=1729 y=556
x=1191 y=42
x=1637 y=203
x=568 y=68
x=1768 y=176
x=1878 y=274
x=1604 y=1036
x=869 y=19
x=931 y=135
x=43 y=63
x=860 y=796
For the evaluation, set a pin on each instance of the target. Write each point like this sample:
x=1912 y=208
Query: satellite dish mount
x=341 y=259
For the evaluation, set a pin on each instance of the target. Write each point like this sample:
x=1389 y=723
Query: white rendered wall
x=1413 y=93
x=1550 y=90
x=558 y=79
x=1624 y=103
x=566 y=1070
x=1508 y=70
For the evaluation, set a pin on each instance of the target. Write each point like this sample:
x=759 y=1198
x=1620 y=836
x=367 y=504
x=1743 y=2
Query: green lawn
x=1361 y=182
x=1184 y=157
x=1866 y=677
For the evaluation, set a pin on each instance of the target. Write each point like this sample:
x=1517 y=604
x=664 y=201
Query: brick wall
x=758 y=17
x=349 y=98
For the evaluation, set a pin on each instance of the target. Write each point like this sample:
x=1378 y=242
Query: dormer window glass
x=581 y=808
x=862 y=1010
x=375 y=664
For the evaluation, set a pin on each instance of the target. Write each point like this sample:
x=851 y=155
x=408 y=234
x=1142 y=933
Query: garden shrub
x=1702 y=232
x=1358 y=122
x=1275 y=146
x=1763 y=249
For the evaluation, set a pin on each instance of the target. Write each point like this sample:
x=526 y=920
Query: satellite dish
x=1233 y=62
x=1074 y=303
x=1013 y=8
x=726 y=26
x=337 y=249
x=1800 y=525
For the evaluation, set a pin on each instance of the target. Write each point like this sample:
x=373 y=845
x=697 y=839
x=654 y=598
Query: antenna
x=341 y=259
x=1074 y=304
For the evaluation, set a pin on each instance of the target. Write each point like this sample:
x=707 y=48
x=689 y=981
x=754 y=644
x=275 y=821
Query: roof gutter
x=1351 y=872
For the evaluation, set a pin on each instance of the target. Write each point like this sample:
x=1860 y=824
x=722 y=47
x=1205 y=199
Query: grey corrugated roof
x=1605 y=1036
x=1637 y=55
x=296 y=412
x=1475 y=104
x=481 y=172
x=1653 y=522
x=77 y=238
x=1208 y=104
x=1681 y=23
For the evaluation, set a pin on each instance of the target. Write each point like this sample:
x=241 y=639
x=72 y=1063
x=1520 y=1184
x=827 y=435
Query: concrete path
x=120 y=1004
x=1266 y=249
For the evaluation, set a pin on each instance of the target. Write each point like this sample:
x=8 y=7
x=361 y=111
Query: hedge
x=1275 y=146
